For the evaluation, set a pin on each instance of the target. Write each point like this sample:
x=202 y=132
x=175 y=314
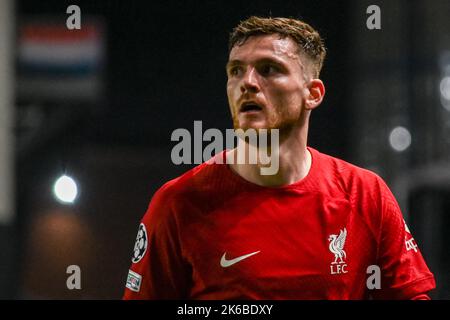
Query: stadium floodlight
x=65 y=189
x=400 y=139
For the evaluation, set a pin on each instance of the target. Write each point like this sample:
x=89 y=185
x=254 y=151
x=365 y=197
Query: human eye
x=269 y=69
x=234 y=71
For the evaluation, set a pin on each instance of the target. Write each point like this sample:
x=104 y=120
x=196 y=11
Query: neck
x=294 y=162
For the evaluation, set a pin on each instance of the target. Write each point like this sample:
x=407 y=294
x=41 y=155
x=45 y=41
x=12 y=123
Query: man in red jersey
x=317 y=229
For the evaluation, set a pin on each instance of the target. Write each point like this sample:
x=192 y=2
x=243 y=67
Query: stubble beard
x=284 y=121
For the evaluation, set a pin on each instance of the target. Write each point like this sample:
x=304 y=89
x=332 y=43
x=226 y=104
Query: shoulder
x=368 y=194
x=192 y=183
x=176 y=195
x=357 y=183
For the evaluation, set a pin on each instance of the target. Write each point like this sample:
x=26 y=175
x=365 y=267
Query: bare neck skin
x=294 y=160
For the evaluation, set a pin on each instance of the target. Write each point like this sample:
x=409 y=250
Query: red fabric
x=421 y=297
x=192 y=221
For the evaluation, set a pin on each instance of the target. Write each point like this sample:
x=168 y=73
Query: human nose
x=250 y=81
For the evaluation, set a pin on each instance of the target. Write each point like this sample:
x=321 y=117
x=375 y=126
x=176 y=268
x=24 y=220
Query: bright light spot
x=400 y=139
x=445 y=88
x=65 y=189
x=445 y=92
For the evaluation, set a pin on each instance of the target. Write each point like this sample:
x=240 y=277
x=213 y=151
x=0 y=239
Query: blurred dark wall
x=166 y=66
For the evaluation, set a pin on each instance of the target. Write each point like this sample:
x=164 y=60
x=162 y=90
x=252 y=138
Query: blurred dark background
x=104 y=113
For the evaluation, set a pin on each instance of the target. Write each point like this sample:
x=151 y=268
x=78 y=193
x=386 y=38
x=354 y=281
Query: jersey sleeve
x=404 y=273
x=158 y=270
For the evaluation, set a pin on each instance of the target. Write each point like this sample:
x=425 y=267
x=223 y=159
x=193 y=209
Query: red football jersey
x=210 y=234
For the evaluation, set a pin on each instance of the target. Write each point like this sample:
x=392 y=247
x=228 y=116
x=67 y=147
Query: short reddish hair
x=306 y=37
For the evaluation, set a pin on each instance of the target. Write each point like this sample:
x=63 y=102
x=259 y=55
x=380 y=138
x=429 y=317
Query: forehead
x=265 y=46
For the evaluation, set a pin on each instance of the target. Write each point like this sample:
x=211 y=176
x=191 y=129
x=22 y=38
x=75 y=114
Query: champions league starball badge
x=140 y=246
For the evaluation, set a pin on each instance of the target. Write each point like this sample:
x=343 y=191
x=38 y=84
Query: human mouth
x=250 y=107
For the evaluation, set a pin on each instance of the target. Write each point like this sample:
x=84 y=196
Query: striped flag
x=57 y=63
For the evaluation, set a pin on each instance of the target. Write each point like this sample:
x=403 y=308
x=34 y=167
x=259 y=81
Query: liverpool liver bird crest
x=337 y=246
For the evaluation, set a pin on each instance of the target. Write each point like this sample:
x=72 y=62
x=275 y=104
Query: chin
x=257 y=129
x=252 y=125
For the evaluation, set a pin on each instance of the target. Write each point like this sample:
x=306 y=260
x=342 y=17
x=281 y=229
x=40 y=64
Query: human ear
x=316 y=92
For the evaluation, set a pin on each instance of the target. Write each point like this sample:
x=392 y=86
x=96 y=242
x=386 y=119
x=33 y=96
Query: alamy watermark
x=373 y=282
x=373 y=22
x=254 y=146
x=73 y=22
x=74 y=280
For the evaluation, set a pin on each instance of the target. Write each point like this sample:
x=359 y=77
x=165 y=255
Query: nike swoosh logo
x=227 y=263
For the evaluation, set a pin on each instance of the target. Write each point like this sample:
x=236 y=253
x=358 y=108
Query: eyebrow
x=236 y=62
x=233 y=63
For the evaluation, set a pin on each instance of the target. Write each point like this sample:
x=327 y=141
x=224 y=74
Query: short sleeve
x=158 y=270
x=404 y=273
